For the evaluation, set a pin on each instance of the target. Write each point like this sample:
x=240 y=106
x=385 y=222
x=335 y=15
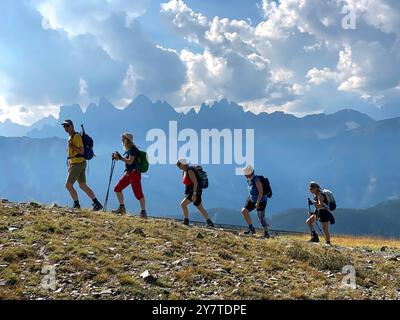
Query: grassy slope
x=94 y=253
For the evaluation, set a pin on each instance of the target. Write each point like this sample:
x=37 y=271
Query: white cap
x=128 y=136
x=248 y=170
x=182 y=161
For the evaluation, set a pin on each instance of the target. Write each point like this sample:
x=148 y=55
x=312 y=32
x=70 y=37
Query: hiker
x=132 y=175
x=192 y=192
x=77 y=167
x=321 y=213
x=256 y=200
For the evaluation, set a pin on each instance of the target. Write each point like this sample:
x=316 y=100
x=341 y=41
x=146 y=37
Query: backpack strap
x=326 y=203
x=72 y=139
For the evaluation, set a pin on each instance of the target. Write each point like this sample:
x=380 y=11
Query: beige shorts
x=77 y=172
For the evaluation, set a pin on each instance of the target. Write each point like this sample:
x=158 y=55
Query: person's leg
x=136 y=183
x=120 y=197
x=120 y=186
x=203 y=211
x=72 y=191
x=71 y=179
x=246 y=216
x=142 y=203
x=310 y=222
x=325 y=228
x=85 y=188
x=263 y=222
x=184 y=205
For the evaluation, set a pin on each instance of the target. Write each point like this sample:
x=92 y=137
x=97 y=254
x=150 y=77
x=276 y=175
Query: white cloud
x=302 y=49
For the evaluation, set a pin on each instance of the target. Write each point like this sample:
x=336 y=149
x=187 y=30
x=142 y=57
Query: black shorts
x=324 y=215
x=189 y=196
x=250 y=205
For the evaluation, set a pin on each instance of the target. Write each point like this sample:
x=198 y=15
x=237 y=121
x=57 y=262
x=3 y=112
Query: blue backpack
x=88 y=144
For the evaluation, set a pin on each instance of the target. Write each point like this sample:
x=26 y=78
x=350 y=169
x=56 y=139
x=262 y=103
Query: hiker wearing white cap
x=257 y=199
x=132 y=175
x=193 y=190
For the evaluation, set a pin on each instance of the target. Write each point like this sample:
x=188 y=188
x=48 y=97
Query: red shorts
x=132 y=178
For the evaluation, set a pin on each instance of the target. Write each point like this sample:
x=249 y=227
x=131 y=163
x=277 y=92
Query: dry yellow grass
x=101 y=256
x=374 y=243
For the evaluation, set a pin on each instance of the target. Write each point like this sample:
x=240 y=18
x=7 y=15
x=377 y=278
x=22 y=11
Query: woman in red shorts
x=131 y=177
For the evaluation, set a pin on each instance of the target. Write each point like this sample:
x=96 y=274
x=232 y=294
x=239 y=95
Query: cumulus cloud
x=301 y=50
x=64 y=52
x=299 y=58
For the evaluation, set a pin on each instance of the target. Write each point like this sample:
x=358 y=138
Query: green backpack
x=142 y=162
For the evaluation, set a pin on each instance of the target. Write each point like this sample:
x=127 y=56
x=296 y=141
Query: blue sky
x=289 y=55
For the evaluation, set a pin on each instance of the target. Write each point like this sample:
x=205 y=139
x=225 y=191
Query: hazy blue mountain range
x=10 y=129
x=348 y=152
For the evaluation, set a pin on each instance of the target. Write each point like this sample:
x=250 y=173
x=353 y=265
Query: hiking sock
x=251 y=227
x=76 y=203
x=186 y=221
x=210 y=223
x=95 y=201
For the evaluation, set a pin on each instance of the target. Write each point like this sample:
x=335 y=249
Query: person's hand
x=194 y=198
x=257 y=205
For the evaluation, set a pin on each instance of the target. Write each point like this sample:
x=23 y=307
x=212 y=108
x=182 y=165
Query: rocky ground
x=103 y=256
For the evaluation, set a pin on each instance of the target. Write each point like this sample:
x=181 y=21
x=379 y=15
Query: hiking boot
x=120 y=210
x=314 y=237
x=97 y=206
x=266 y=235
x=210 y=223
x=250 y=232
x=186 y=221
x=76 y=205
x=143 y=214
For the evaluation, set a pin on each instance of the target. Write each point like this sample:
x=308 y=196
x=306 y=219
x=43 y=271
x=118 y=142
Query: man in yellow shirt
x=77 y=167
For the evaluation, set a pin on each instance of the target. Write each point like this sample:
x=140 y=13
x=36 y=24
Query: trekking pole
x=109 y=184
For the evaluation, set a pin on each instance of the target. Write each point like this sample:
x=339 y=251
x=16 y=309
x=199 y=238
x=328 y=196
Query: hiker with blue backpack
x=195 y=180
x=79 y=150
x=259 y=192
x=324 y=203
x=132 y=175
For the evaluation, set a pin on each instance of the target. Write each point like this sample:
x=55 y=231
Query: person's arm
x=319 y=204
x=131 y=158
x=193 y=177
x=260 y=190
x=128 y=160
